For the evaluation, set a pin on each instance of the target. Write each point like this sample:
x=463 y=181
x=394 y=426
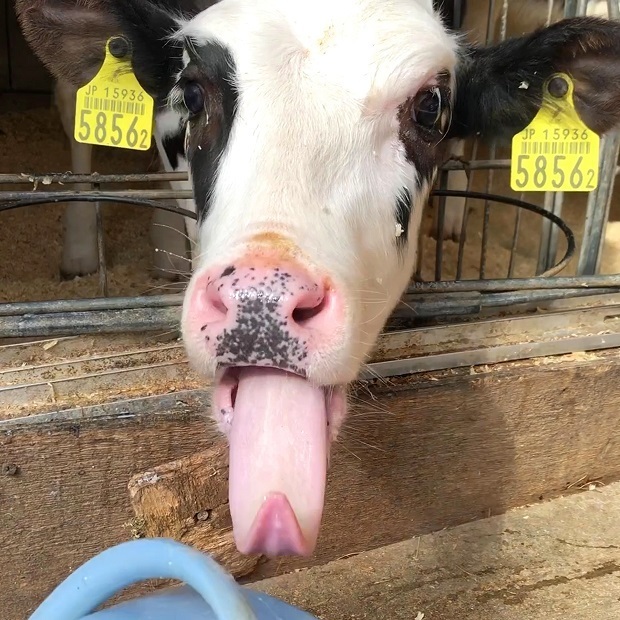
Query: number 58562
x=552 y=173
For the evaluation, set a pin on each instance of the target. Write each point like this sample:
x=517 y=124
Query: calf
x=472 y=18
x=170 y=232
x=314 y=131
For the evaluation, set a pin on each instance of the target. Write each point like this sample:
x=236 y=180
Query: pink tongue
x=278 y=463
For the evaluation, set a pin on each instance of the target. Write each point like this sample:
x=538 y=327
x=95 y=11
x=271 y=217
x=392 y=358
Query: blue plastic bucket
x=210 y=594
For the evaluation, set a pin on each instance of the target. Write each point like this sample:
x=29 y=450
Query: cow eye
x=194 y=98
x=427 y=108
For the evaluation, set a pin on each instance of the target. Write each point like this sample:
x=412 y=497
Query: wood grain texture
x=417 y=454
x=187 y=500
x=69 y=498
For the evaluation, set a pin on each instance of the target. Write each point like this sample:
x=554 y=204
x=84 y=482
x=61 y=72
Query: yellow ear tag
x=113 y=109
x=556 y=152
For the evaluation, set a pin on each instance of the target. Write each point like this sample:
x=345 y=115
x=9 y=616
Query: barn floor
x=33 y=141
x=559 y=560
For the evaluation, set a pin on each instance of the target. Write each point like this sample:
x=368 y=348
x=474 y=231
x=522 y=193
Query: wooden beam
x=418 y=454
x=491 y=436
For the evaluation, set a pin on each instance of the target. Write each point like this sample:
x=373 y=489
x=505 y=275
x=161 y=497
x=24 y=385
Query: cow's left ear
x=499 y=88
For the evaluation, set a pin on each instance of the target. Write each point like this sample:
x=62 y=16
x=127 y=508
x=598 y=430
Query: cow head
x=313 y=132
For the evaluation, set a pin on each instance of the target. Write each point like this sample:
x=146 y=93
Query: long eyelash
x=175 y=98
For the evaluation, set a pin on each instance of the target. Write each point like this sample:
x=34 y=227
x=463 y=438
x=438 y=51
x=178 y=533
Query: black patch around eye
x=174 y=148
x=424 y=146
x=212 y=63
x=427 y=108
x=403 y=215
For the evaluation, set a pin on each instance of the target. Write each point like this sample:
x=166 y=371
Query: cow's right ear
x=500 y=87
x=69 y=37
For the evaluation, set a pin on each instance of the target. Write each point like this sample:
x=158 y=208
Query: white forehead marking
x=362 y=48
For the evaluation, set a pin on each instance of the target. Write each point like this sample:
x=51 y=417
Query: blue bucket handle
x=114 y=569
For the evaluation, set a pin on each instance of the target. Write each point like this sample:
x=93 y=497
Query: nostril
x=218 y=305
x=306 y=311
x=215 y=305
x=233 y=395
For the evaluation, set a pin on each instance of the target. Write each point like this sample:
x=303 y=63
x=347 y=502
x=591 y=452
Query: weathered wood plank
x=558 y=560
x=69 y=372
x=187 y=500
x=418 y=454
x=492 y=453
x=68 y=499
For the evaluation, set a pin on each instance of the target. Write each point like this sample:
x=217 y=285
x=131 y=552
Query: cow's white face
x=323 y=162
x=313 y=140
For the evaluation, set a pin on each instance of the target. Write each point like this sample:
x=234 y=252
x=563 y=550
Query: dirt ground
x=559 y=560
x=33 y=141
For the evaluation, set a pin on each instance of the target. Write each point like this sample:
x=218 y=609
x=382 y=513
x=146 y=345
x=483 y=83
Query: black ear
x=499 y=88
x=69 y=36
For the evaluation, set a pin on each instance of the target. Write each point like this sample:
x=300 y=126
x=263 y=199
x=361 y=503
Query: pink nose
x=264 y=315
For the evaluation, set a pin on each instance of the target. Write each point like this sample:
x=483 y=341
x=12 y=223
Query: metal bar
x=550 y=4
x=95 y=322
x=441 y=216
x=118 y=194
x=487 y=216
x=442 y=302
x=494 y=355
x=463 y=239
x=103 y=267
x=515 y=241
x=87 y=305
x=599 y=202
x=94 y=177
x=417 y=294
x=157 y=177
x=116 y=197
x=558 y=204
x=414 y=308
x=543 y=247
x=570 y=8
x=167 y=318
x=517 y=284
x=493 y=145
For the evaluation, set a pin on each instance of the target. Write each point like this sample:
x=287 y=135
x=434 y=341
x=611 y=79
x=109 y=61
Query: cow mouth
x=278 y=428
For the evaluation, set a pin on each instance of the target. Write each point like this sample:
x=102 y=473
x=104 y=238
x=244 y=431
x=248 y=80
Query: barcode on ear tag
x=556 y=152
x=113 y=109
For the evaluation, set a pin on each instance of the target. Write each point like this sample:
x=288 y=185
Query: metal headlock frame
x=161 y=312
